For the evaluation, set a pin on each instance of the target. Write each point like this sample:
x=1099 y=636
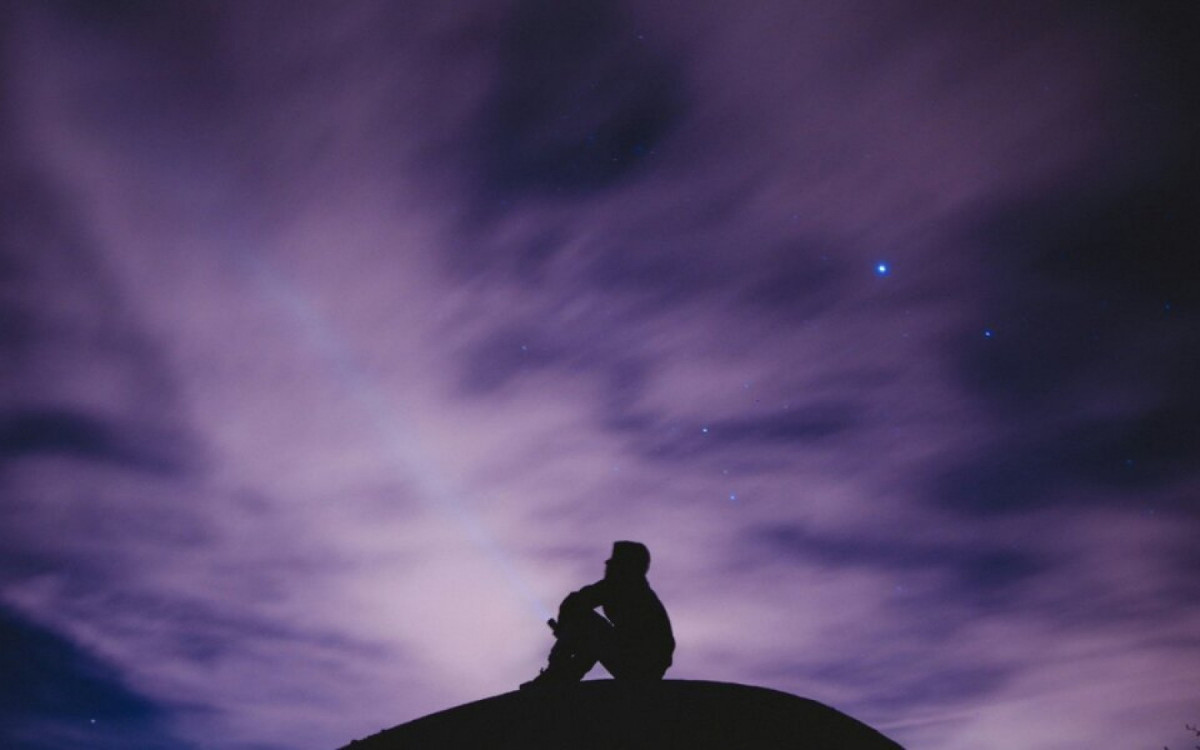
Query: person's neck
x=629 y=580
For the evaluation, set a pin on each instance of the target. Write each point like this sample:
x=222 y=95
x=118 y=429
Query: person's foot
x=558 y=674
x=545 y=679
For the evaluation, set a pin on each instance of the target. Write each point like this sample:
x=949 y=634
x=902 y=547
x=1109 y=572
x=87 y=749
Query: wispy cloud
x=339 y=342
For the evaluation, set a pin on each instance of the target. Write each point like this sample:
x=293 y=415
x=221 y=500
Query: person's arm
x=588 y=597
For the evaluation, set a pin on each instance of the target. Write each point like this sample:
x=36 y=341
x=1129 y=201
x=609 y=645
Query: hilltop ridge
x=610 y=714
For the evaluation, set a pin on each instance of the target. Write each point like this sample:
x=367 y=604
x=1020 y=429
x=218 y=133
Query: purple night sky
x=339 y=340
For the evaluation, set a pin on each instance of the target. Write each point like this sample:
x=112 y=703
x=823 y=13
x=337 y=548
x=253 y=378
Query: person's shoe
x=546 y=678
x=559 y=673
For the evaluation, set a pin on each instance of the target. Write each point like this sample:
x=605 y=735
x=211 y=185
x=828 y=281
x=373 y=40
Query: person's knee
x=573 y=608
x=574 y=614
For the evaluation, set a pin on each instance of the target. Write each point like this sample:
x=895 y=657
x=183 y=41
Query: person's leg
x=584 y=637
x=592 y=638
x=581 y=638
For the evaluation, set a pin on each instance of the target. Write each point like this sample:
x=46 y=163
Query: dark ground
x=608 y=714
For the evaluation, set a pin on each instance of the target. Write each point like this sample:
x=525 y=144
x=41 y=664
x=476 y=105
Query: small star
x=988 y=333
x=704 y=430
x=733 y=497
x=882 y=269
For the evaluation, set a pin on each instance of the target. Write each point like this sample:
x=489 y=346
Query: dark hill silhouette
x=619 y=716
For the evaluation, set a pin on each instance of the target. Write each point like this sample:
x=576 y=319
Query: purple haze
x=339 y=340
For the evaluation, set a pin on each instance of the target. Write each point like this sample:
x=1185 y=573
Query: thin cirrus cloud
x=339 y=342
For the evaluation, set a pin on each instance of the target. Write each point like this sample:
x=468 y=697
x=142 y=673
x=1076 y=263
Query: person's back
x=639 y=616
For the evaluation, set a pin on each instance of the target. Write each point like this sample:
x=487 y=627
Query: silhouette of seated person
x=633 y=640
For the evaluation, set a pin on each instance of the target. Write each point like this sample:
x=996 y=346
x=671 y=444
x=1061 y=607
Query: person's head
x=628 y=560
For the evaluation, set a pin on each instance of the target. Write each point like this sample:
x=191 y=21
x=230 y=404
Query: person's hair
x=633 y=555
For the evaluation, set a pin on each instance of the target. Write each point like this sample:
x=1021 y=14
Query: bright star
x=882 y=269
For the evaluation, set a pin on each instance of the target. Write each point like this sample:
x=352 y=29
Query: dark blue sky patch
x=55 y=696
x=124 y=15
x=975 y=572
x=802 y=282
x=183 y=81
x=1035 y=354
x=657 y=279
x=1129 y=246
x=73 y=434
x=677 y=440
x=1007 y=479
x=1143 y=452
x=17 y=326
x=904 y=691
x=1088 y=287
x=800 y=424
x=1087 y=462
x=580 y=105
